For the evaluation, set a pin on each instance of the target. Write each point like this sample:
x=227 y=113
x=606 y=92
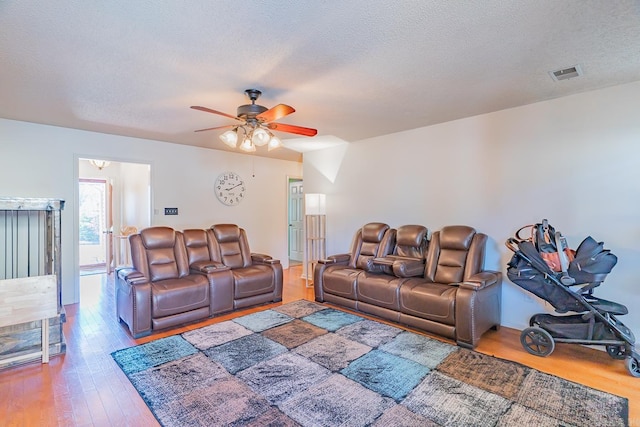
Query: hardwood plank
x=86 y=387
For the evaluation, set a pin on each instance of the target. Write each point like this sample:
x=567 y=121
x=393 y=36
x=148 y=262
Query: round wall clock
x=229 y=188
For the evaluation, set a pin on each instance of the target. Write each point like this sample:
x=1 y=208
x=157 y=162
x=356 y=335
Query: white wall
x=135 y=196
x=42 y=161
x=573 y=160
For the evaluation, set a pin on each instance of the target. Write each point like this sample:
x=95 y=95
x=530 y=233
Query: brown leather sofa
x=181 y=277
x=452 y=296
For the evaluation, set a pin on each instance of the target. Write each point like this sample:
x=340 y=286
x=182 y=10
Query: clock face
x=229 y=188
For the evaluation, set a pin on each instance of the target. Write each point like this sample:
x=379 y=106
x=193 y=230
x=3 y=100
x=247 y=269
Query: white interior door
x=296 y=221
x=92 y=214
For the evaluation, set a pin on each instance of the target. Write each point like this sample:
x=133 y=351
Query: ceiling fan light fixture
x=256 y=124
x=274 y=143
x=230 y=138
x=247 y=145
x=100 y=164
x=260 y=137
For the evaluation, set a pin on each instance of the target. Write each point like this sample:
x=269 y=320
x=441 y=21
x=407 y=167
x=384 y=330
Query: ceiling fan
x=256 y=124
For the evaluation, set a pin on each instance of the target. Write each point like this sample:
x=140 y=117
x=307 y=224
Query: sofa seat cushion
x=432 y=301
x=175 y=296
x=253 y=280
x=341 y=280
x=379 y=289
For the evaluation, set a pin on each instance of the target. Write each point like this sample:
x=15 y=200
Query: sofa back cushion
x=373 y=240
x=411 y=241
x=455 y=253
x=159 y=253
x=197 y=246
x=231 y=246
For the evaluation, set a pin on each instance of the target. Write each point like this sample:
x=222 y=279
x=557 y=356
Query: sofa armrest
x=336 y=259
x=133 y=301
x=256 y=257
x=131 y=276
x=263 y=259
x=481 y=280
x=478 y=307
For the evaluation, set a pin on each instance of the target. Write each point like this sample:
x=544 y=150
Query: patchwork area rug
x=303 y=364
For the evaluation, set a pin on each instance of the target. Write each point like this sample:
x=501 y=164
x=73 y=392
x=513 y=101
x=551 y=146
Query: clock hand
x=234 y=187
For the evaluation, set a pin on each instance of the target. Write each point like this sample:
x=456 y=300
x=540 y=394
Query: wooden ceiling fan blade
x=217 y=127
x=299 y=130
x=209 y=110
x=275 y=113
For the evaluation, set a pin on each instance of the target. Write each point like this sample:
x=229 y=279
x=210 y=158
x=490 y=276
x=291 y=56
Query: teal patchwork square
x=385 y=373
x=331 y=319
x=154 y=353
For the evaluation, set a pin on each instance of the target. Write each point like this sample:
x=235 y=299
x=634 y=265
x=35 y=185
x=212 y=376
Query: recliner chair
x=160 y=291
x=456 y=298
x=257 y=278
x=334 y=278
x=408 y=256
x=378 y=291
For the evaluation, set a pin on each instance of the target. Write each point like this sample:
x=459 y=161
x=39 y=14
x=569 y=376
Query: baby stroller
x=544 y=265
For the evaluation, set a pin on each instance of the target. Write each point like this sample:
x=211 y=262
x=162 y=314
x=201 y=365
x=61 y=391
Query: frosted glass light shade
x=315 y=204
x=247 y=145
x=260 y=137
x=230 y=138
x=100 y=164
x=274 y=143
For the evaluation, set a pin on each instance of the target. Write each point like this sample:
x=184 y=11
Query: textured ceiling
x=353 y=69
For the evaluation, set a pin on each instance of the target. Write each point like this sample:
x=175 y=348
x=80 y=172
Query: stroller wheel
x=633 y=365
x=537 y=341
x=618 y=352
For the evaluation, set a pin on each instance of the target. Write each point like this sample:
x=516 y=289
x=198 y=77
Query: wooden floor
x=84 y=387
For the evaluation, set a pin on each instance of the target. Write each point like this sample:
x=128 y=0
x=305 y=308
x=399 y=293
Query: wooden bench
x=25 y=300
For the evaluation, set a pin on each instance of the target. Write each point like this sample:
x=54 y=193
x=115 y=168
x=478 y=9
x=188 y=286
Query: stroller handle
x=512 y=244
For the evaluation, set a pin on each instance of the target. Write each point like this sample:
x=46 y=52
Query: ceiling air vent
x=566 y=73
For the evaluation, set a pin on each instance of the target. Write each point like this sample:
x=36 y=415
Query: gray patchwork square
x=217 y=334
x=453 y=403
x=336 y=401
x=164 y=383
x=300 y=308
x=369 y=332
x=421 y=349
x=571 y=402
x=401 y=416
x=332 y=351
x=244 y=352
x=283 y=376
x=224 y=402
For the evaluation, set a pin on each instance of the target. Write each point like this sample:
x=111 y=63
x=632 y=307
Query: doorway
x=95 y=227
x=296 y=221
x=114 y=200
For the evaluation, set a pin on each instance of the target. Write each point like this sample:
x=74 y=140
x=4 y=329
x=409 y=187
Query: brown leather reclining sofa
x=438 y=286
x=180 y=277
